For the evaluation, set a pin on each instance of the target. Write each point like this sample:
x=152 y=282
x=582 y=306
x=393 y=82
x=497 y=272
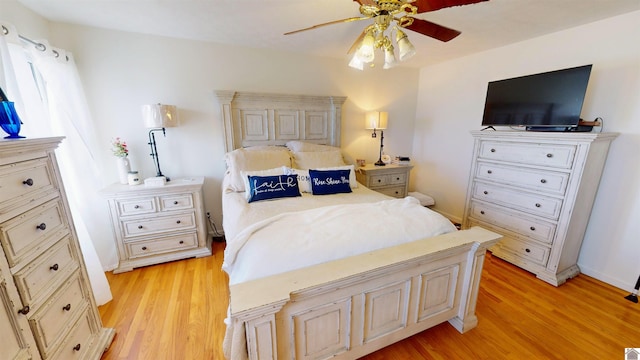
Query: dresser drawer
x=511 y=247
x=136 y=206
x=25 y=178
x=79 y=340
x=51 y=320
x=176 y=202
x=158 y=246
x=520 y=200
x=396 y=191
x=551 y=155
x=398 y=179
x=46 y=272
x=527 y=251
x=159 y=224
x=22 y=233
x=504 y=218
x=538 y=180
x=378 y=180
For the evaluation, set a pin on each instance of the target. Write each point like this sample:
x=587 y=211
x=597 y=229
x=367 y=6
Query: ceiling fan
x=384 y=13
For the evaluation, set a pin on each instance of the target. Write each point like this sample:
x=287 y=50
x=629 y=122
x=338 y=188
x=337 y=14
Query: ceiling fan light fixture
x=405 y=48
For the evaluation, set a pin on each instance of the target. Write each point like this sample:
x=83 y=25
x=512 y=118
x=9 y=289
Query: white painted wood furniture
x=155 y=224
x=537 y=190
x=347 y=308
x=391 y=179
x=47 y=309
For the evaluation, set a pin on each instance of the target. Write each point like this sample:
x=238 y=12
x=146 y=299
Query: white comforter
x=293 y=240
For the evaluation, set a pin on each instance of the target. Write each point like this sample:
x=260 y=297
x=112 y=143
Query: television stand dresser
x=47 y=308
x=537 y=190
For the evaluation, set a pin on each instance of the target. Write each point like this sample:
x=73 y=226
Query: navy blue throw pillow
x=273 y=187
x=326 y=182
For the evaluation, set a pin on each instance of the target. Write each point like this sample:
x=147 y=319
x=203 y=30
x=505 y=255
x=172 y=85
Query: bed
x=337 y=275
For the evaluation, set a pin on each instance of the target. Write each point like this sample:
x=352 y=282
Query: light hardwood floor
x=176 y=311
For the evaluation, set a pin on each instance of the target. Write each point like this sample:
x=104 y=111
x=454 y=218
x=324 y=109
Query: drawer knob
x=66 y=307
x=527 y=250
x=54 y=267
x=137 y=207
x=543 y=181
x=76 y=348
x=485 y=192
x=538 y=205
x=144 y=248
x=482 y=212
x=533 y=228
x=41 y=226
x=397 y=192
x=178 y=222
x=489 y=172
x=140 y=226
x=181 y=241
x=28 y=182
x=24 y=311
x=549 y=155
x=493 y=150
x=379 y=180
x=175 y=202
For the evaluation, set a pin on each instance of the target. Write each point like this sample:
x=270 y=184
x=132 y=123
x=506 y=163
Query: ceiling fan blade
x=366 y=2
x=351 y=19
x=433 y=30
x=433 y=5
x=357 y=42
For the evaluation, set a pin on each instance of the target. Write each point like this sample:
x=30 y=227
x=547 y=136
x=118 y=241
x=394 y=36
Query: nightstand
x=392 y=180
x=156 y=224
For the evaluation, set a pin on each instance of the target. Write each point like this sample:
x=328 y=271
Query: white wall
x=451 y=101
x=122 y=71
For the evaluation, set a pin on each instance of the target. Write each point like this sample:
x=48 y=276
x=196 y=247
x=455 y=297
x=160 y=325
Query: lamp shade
x=376 y=120
x=160 y=116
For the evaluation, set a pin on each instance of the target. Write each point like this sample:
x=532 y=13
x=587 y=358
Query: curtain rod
x=37 y=45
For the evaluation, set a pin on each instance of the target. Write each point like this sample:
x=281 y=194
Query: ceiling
x=262 y=23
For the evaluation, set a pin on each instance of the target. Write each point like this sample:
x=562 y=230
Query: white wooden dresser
x=537 y=190
x=155 y=224
x=391 y=179
x=47 y=309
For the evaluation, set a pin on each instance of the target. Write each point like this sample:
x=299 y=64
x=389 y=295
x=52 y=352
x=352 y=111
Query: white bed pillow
x=317 y=159
x=300 y=146
x=266 y=148
x=304 y=180
x=253 y=160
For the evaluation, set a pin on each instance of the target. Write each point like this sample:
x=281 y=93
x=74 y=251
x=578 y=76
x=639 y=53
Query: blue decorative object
x=326 y=182
x=9 y=120
x=273 y=187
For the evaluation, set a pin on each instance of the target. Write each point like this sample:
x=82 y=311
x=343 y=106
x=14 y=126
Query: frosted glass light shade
x=356 y=63
x=376 y=120
x=389 y=58
x=405 y=47
x=160 y=116
x=365 y=51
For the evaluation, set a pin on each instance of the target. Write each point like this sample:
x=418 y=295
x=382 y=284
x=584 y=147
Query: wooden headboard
x=251 y=119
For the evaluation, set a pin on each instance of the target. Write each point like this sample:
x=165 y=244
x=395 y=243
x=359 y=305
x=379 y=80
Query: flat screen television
x=550 y=101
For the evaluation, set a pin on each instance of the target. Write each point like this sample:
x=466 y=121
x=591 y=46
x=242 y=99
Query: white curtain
x=50 y=99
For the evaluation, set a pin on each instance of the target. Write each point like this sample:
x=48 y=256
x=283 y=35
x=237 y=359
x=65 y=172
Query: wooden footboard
x=348 y=308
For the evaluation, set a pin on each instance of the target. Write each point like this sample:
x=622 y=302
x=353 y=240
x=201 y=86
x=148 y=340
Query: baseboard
x=623 y=285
